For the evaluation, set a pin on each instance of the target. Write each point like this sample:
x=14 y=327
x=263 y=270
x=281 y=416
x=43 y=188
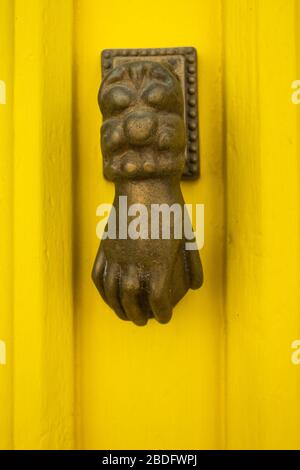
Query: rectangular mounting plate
x=184 y=63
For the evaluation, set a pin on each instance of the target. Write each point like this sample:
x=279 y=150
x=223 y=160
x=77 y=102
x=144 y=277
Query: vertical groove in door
x=6 y=217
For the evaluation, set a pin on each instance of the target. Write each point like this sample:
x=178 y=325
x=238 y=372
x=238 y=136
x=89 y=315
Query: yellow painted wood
x=158 y=386
x=6 y=201
x=198 y=382
x=261 y=61
x=43 y=359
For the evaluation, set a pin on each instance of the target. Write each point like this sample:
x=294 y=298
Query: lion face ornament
x=143 y=142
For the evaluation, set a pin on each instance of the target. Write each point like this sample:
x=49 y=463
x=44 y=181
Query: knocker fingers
x=130 y=292
x=98 y=271
x=160 y=294
x=111 y=289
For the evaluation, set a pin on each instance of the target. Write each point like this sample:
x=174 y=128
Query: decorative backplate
x=184 y=62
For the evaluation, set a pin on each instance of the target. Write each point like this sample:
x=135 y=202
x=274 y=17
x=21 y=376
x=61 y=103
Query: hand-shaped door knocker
x=143 y=141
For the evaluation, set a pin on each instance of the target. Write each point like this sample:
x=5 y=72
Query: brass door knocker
x=148 y=101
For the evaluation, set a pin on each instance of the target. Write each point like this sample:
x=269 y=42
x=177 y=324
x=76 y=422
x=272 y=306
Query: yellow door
x=225 y=372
